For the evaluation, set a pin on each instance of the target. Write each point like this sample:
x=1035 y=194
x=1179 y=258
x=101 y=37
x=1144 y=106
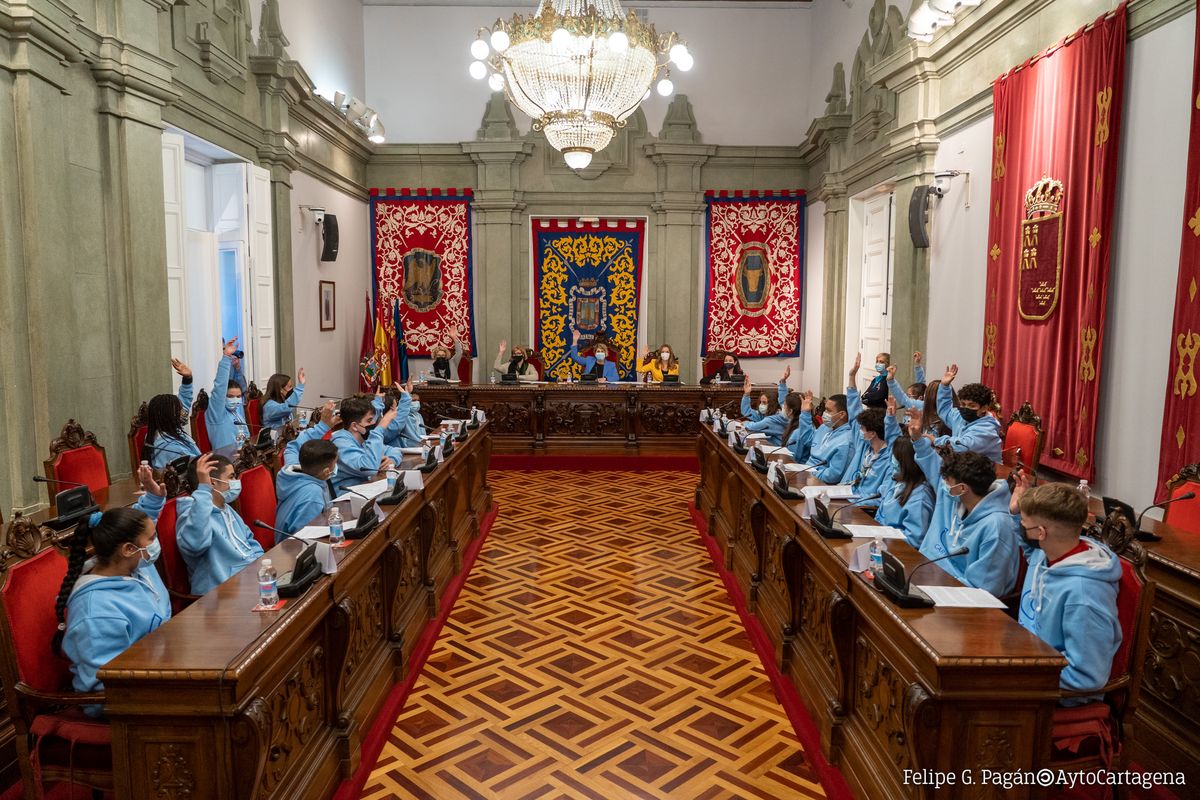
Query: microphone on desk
x=1146 y=536
x=305 y=570
x=819 y=463
x=823 y=521
x=898 y=588
x=473 y=423
x=71 y=504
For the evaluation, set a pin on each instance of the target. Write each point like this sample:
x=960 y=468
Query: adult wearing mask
x=517 y=364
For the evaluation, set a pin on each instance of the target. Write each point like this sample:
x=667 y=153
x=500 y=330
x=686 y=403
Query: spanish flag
x=382 y=349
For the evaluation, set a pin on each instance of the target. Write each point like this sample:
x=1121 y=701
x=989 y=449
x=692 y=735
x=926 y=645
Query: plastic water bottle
x=337 y=534
x=391 y=479
x=424 y=451
x=492 y=378
x=241 y=436
x=268 y=584
x=877 y=548
x=1085 y=490
x=474 y=413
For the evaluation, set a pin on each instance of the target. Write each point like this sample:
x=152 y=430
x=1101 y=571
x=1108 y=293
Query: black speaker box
x=918 y=216
x=329 y=236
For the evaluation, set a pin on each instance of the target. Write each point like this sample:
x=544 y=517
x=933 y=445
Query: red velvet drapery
x=1181 y=412
x=1054 y=176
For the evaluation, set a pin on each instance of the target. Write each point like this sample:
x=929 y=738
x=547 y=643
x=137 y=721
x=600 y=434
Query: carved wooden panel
x=1172 y=669
x=172 y=777
x=296 y=711
x=670 y=418
x=585 y=419
x=879 y=702
x=510 y=418
x=366 y=625
x=814 y=622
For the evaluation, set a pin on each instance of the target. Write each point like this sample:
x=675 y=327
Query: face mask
x=969 y=414
x=1029 y=540
x=831 y=417
x=895 y=467
x=232 y=403
x=951 y=489
x=441 y=361
x=762 y=408
x=151 y=551
x=881 y=368
x=600 y=356
x=232 y=491
x=728 y=367
x=416 y=406
x=333 y=474
x=666 y=355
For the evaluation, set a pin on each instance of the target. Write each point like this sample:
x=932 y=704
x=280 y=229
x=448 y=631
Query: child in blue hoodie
x=775 y=424
x=907 y=503
x=767 y=406
x=1070 y=594
x=971 y=511
x=282 y=397
x=225 y=416
x=825 y=449
x=214 y=541
x=107 y=603
x=303 y=488
x=972 y=427
x=408 y=426
x=361 y=451
x=167 y=437
x=867 y=466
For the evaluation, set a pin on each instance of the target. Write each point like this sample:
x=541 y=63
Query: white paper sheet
x=871 y=531
x=770 y=451
x=860 y=560
x=960 y=597
x=796 y=468
x=312 y=532
x=411 y=451
x=841 y=492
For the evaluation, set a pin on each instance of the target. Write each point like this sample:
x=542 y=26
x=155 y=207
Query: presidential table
x=891 y=690
x=581 y=417
x=225 y=702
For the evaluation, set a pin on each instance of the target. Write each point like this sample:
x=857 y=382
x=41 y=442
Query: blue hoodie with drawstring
x=302 y=497
x=165 y=448
x=224 y=420
x=107 y=614
x=215 y=543
x=275 y=413
x=1072 y=606
x=981 y=436
x=990 y=531
x=910 y=516
x=751 y=412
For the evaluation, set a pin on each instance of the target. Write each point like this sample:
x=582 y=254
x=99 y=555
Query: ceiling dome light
x=479 y=49
x=496 y=81
x=500 y=40
x=577 y=159
x=665 y=87
x=478 y=70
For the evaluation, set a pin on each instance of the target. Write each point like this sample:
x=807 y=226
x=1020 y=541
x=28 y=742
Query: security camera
x=318 y=216
x=941 y=182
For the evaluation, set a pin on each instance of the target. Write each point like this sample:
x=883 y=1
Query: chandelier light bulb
x=685 y=62
x=500 y=41
x=665 y=87
x=496 y=81
x=618 y=42
x=478 y=70
x=560 y=38
x=577 y=159
x=479 y=49
x=677 y=52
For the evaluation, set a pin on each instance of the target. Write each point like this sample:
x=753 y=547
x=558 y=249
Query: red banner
x=1181 y=412
x=754 y=243
x=421 y=248
x=1054 y=176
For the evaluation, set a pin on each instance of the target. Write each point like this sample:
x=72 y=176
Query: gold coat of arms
x=1041 y=250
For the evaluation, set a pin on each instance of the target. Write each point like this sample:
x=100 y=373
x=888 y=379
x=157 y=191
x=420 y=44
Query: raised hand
x=914 y=427
x=854 y=368
x=183 y=370
x=891 y=372
x=388 y=418
x=146 y=479
x=230 y=347
x=917 y=357
x=327 y=413
x=891 y=406
x=787 y=373
x=951 y=373
x=503 y=345
x=408 y=384
x=746 y=385
x=575 y=337
x=205 y=466
x=1022 y=482
x=300 y=376
x=806 y=402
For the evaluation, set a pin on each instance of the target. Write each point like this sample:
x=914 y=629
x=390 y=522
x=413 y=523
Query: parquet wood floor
x=592 y=655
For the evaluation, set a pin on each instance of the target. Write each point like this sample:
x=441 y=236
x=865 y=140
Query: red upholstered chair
x=137 y=437
x=171 y=566
x=1186 y=513
x=713 y=364
x=254 y=402
x=55 y=741
x=199 y=425
x=466 y=365
x=1092 y=736
x=257 y=501
x=536 y=361
x=76 y=457
x=1023 y=439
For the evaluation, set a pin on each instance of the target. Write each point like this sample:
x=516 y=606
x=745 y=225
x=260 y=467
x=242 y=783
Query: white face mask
x=762 y=408
x=600 y=355
x=666 y=355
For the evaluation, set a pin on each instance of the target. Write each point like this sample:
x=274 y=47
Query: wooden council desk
x=630 y=418
x=222 y=702
x=890 y=689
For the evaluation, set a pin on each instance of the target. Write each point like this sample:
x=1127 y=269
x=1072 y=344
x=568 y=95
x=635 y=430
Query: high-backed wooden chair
x=137 y=436
x=1185 y=513
x=1092 y=736
x=535 y=360
x=76 y=457
x=254 y=404
x=199 y=425
x=1023 y=439
x=257 y=500
x=56 y=741
x=466 y=365
x=171 y=566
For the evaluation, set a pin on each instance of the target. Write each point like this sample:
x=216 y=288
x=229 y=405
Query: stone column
x=833 y=307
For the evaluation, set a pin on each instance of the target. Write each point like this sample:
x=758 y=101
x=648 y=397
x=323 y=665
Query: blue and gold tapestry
x=587 y=278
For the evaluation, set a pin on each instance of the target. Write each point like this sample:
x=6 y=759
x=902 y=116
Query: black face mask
x=516 y=359
x=969 y=415
x=442 y=362
x=1036 y=544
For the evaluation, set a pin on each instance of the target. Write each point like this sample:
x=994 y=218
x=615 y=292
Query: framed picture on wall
x=328 y=306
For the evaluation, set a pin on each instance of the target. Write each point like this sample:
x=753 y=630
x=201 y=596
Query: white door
x=874 y=324
x=203 y=292
x=261 y=324
x=173 y=204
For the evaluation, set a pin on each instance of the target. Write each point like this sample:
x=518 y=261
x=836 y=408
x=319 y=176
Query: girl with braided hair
x=108 y=602
x=166 y=423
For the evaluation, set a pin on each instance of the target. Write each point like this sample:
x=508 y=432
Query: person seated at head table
x=111 y=600
x=767 y=406
x=167 y=437
x=659 y=363
x=517 y=365
x=441 y=358
x=826 y=450
x=304 y=488
x=362 y=453
x=282 y=397
x=971 y=510
x=214 y=541
x=775 y=425
x=907 y=503
x=1069 y=599
x=226 y=416
x=730 y=371
x=876 y=394
x=972 y=426
x=598 y=365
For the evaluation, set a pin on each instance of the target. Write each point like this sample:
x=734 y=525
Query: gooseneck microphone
x=855 y=504
x=962 y=551
x=44 y=479
x=1146 y=536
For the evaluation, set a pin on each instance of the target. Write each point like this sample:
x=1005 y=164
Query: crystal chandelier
x=579 y=68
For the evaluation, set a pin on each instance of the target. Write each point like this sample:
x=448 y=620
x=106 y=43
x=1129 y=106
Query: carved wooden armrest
x=59 y=698
x=1122 y=682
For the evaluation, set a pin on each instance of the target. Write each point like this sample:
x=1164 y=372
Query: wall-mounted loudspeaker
x=918 y=216
x=329 y=237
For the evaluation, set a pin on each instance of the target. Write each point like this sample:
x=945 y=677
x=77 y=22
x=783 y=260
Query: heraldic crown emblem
x=1044 y=197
